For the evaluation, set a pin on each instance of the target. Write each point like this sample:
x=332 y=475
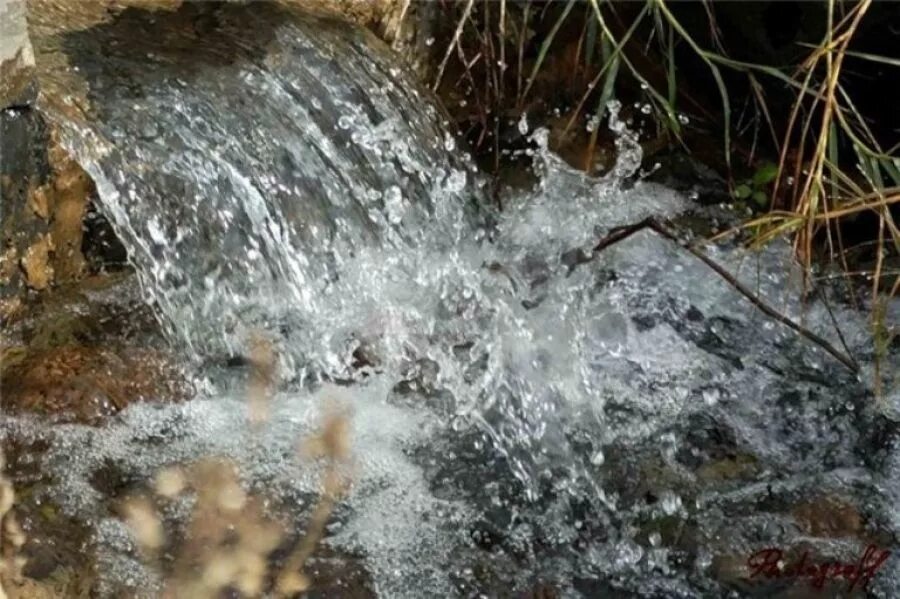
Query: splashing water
x=520 y=415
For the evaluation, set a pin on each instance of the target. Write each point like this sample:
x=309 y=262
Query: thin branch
x=621 y=233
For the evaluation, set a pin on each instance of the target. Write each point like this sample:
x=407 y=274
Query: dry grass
x=819 y=194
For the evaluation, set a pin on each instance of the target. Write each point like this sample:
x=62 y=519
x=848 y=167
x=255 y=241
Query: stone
x=829 y=517
x=36 y=263
x=86 y=384
x=16 y=55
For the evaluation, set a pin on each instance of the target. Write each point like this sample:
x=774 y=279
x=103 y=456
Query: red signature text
x=769 y=563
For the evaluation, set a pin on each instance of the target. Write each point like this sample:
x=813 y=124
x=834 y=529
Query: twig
x=621 y=233
x=456 y=34
x=834 y=321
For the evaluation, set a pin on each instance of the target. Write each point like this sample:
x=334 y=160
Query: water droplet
x=711 y=396
x=670 y=503
x=393 y=204
x=449 y=142
x=523 y=124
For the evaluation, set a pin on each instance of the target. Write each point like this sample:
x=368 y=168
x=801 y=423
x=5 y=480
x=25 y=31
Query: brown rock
x=829 y=517
x=85 y=384
x=72 y=188
x=10 y=309
x=64 y=583
x=39 y=201
x=36 y=263
x=735 y=467
x=8 y=263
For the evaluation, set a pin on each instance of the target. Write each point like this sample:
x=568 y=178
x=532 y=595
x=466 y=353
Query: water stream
x=630 y=426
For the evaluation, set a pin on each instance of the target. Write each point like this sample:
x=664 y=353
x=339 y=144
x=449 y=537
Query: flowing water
x=624 y=426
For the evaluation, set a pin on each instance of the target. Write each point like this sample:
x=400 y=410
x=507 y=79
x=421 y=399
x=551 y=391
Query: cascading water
x=516 y=417
x=244 y=162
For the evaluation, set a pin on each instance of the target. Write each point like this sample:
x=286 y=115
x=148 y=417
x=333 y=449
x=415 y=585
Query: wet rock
x=44 y=197
x=335 y=574
x=379 y=15
x=16 y=55
x=64 y=583
x=67 y=204
x=56 y=563
x=829 y=517
x=43 y=193
x=23 y=168
x=542 y=591
x=86 y=384
x=36 y=263
x=84 y=352
x=737 y=467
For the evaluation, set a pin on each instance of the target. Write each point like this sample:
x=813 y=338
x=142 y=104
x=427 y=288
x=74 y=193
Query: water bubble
x=704 y=560
x=670 y=503
x=449 y=142
x=711 y=396
x=628 y=554
x=393 y=204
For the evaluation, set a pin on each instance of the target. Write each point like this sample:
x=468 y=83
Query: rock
x=43 y=193
x=86 y=384
x=85 y=351
x=16 y=55
x=36 y=263
x=374 y=14
x=829 y=517
x=69 y=198
x=736 y=467
x=64 y=583
x=43 y=199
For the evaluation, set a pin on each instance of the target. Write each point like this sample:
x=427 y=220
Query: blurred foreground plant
x=11 y=535
x=230 y=537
